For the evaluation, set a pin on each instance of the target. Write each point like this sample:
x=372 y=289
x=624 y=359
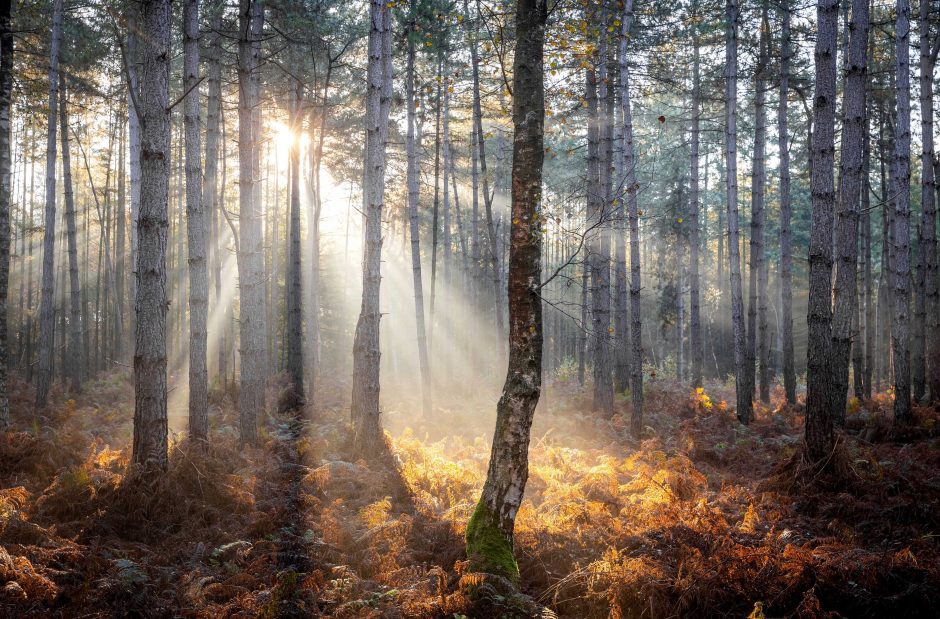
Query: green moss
x=487 y=547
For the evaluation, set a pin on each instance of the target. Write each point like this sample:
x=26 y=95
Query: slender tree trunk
x=6 y=93
x=412 y=180
x=757 y=305
x=47 y=301
x=695 y=326
x=490 y=530
x=929 y=47
x=902 y=217
x=867 y=292
x=73 y=369
x=366 y=351
x=742 y=386
x=295 y=339
x=850 y=188
x=631 y=188
x=251 y=276
x=211 y=201
x=150 y=382
x=133 y=132
x=819 y=414
x=196 y=230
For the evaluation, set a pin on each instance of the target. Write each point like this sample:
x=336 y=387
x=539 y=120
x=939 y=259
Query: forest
x=469 y=309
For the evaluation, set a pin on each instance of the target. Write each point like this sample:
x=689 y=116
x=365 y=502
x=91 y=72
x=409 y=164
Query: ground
x=702 y=518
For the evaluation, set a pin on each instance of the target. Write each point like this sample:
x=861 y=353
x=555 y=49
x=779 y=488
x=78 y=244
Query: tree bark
x=196 y=230
x=150 y=380
x=366 y=351
x=6 y=93
x=902 y=216
x=413 y=190
x=47 y=301
x=742 y=386
x=251 y=276
x=73 y=369
x=819 y=414
x=695 y=327
x=295 y=339
x=631 y=188
x=929 y=47
x=757 y=290
x=490 y=530
x=850 y=188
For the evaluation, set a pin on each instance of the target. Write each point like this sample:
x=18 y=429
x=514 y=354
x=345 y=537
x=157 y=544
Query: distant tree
x=75 y=352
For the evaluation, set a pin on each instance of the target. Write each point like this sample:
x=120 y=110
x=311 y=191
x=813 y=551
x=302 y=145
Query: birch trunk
x=150 y=380
x=490 y=530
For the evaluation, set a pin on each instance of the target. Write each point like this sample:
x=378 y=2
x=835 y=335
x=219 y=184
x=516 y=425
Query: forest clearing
x=469 y=309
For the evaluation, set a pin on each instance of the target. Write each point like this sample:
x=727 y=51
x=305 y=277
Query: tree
x=695 y=328
x=929 y=47
x=251 y=276
x=413 y=174
x=295 y=340
x=75 y=353
x=47 y=303
x=196 y=230
x=757 y=290
x=631 y=189
x=366 y=351
x=150 y=380
x=490 y=530
x=850 y=188
x=819 y=415
x=6 y=95
x=786 y=243
x=742 y=386
x=902 y=216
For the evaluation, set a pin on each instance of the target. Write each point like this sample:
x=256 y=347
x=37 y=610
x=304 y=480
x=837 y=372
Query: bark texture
x=819 y=416
x=490 y=530
x=6 y=92
x=150 y=381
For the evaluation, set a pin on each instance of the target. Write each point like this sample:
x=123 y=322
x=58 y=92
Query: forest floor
x=701 y=518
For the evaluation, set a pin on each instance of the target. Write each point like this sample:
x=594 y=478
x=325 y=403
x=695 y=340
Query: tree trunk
x=295 y=339
x=850 y=188
x=251 y=276
x=210 y=192
x=902 y=216
x=73 y=369
x=819 y=414
x=695 y=327
x=631 y=189
x=196 y=230
x=366 y=351
x=6 y=92
x=412 y=180
x=133 y=132
x=757 y=289
x=742 y=386
x=929 y=47
x=490 y=530
x=150 y=382
x=47 y=301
